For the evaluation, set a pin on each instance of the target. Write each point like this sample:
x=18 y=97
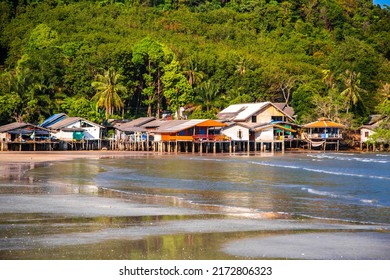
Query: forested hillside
x=104 y=59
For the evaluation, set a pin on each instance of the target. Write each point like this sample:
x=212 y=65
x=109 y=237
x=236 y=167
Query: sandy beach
x=27 y=157
x=44 y=216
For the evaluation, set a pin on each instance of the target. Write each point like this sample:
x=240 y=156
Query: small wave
x=274 y=165
x=371 y=160
x=382 y=155
x=321 y=193
x=371 y=202
x=368 y=201
x=343 y=158
x=346 y=174
x=322 y=171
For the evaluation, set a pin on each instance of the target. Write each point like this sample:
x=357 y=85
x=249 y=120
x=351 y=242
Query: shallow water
x=348 y=187
x=189 y=206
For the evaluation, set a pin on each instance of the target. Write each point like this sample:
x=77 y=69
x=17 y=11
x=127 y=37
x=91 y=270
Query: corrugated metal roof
x=285 y=108
x=128 y=126
x=250 y=110
x=153 y=124
x=242 y=112
x=372 y=126
x=71 y=120
x=172 y=126
x=12 y=126
x=53 y=119
x=19 y=125
x=133 y=129
x=65 y=122
x=178 y=125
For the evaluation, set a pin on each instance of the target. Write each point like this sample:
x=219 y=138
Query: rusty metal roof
x=20 y=125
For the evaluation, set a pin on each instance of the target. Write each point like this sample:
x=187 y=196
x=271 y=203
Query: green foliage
x=197 y=54
x=108 y=88
x=79 y=106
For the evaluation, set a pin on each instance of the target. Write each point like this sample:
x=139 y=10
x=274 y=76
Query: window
x=254 y=118
x=277 y=118
x=239 y=134
x=84 y=124
x=366 y=134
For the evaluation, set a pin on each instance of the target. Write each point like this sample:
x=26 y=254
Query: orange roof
x=323 y=122
x=212 y=123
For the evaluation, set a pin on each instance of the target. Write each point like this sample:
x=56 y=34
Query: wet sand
x=36 y=157
x=84 y=222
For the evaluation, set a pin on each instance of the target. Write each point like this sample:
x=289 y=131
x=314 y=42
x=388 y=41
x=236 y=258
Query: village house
x=186 y=135
x=75 y=132
x=322 y=133
x=368 y=130
x=258 y=126
x=22 y=136
x=131 y=135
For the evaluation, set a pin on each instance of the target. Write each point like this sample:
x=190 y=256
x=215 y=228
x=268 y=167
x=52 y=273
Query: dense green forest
x=129 y=58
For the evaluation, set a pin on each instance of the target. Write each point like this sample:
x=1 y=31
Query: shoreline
x=57 y=219
x=55 y=156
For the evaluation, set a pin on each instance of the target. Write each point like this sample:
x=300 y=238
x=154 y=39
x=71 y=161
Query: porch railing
x=196 y=138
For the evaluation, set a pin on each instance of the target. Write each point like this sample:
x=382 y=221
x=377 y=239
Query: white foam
x=322 y=171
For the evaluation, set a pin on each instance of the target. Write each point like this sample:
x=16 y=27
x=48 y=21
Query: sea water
x=336 y=186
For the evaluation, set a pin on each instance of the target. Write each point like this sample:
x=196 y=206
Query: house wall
x=5 y=136
x=363 y=132
x=63 y=135
x=265 y=134
x=265 y=115
x=157 y=137
x=90 y=133
x=233 y=133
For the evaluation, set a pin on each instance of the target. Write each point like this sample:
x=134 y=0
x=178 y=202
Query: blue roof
x=53 y=119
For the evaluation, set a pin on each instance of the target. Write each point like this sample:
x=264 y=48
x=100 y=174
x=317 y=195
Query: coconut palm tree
x=194 y=76
x=352 y=92
x=242 y=66
x=208 y=99
x=107 y=88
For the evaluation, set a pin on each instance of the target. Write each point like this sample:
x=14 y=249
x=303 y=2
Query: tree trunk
x=158 y=94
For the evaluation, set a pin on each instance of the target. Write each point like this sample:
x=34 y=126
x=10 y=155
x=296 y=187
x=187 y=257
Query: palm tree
x=107 y=89
x=208 y=98
x=241 y=66
x=384 y=92
x=352 y=83
x=193 y=75
x=328 y=79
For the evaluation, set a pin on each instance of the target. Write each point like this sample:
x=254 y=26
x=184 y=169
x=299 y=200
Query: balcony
x=195 y=138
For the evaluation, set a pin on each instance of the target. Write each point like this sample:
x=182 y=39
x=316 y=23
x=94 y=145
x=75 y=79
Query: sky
x=381 y=2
